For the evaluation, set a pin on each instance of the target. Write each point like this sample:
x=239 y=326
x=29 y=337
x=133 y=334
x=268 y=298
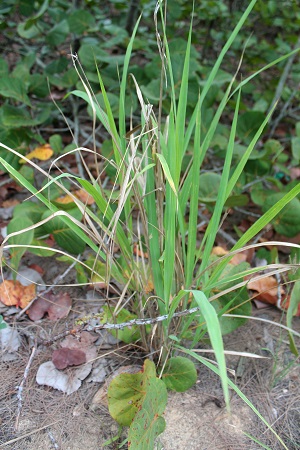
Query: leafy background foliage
x=36 y=70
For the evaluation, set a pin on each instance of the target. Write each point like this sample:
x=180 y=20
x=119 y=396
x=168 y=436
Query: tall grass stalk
x=150 y=183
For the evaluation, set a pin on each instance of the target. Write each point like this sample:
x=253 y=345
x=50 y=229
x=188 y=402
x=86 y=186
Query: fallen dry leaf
x=10 y=340
x=295 y=173
x=65 y=199
x=57 y=306
x=84 y=196
x=137 y=251
x=80 y=194
x=219 y=251
x=85 y=343
x=9 y=203
x=65 y=357
x=267 y=290
x=238 y=258
x=14 y=293
x=42 y=153
x=37 y=268
x=70 y=382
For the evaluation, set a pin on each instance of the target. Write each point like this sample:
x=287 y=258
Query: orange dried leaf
x=149 y=287
x=65 y=199
x=14 y=293
x=10 y=202
x=267 y=289
x=84 y=196
x=28 y=294
x=219 y=251
x=42 y=153
x=138 y=252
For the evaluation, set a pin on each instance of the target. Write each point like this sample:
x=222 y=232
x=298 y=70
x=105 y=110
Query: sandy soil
x=196 y=419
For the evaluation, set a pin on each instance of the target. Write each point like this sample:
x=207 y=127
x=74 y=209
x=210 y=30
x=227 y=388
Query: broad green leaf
x=138 y=399
x=81 y=21
x=148 y=422
x=66 y=220
x=14 y=88
x=124 y=397
x=237 y=200
x=179 y=374
x=90 y=55
x=44 y=251
x=29 y=209
x=126 y=334
x=3 y=67
x=16 y=139
x=58 y=34
x=23 y=239
x=38 y=85
x=55 y=142
x=13 y=117
x=2 y=323
x=209 y=187
x=29 y=33
x=287 y=221
x=248 y=125
x=57 y=66
x=37 y=16
x=63 y=235
x=296 y=147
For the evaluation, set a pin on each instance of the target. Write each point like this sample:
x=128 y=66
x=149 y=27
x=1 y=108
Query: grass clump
x=174 y=292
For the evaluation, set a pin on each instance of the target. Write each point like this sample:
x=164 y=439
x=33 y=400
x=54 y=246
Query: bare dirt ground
x=197 y=419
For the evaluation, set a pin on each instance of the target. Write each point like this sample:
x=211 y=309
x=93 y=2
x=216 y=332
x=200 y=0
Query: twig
x=130 y=323
x=226 y=236
x=84 y=323
x=53 y=441
x=12 y=441
x=247 y=213
x=75 y=105
x=279 y=90
x=20 y=387
x=4 y=182
x=284 y=76
x=220 y=231
x=283 y=112
x=278 y=304
x=56 y=281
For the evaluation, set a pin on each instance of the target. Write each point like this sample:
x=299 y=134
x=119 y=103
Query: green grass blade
x=170 y=212
x=241 y=165
x=212 y=229
x=255 y=229
x=122 y=115
x=182 y=104
x=81 y=235
x=194 y=202
x=215 y=335
x=226 y=47
x=268 y=66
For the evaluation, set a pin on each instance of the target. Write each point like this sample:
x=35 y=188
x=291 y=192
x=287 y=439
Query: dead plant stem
x=20 y=387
